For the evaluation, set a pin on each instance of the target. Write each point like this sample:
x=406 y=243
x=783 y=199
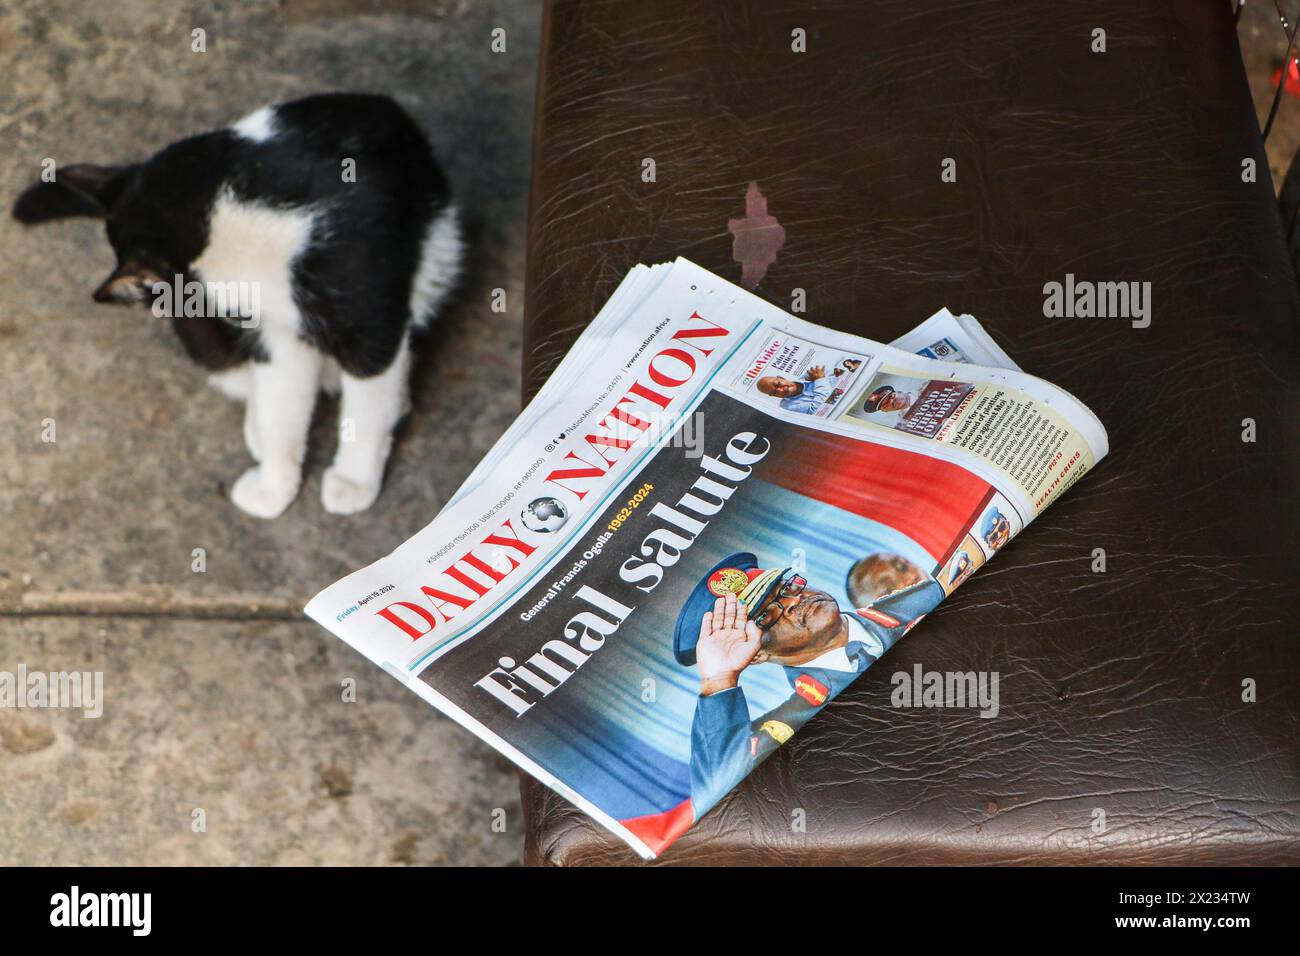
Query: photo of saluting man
x=740 y=615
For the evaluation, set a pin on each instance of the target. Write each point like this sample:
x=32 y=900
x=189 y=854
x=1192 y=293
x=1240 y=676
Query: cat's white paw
x=254 y=494
x=236 y=383
x=343 y=496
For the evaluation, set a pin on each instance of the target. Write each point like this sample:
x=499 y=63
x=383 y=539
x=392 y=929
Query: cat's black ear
x=83 y=189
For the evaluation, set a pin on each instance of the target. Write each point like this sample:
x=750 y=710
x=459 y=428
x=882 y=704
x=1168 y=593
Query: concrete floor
x=219 y=696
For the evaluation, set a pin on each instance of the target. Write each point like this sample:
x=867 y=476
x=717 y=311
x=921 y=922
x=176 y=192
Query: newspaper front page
x=711 y=520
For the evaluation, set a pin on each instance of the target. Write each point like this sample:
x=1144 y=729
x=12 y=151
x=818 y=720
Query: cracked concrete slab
x=99 y=527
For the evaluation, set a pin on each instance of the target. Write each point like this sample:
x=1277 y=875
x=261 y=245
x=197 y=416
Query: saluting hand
x=727 y=645
x=816 y=372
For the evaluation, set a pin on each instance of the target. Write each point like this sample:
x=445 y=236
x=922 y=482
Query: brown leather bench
x=1123 y=736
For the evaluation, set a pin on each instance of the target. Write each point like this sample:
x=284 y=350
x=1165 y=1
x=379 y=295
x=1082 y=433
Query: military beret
x=872 y=402
x=737 y=574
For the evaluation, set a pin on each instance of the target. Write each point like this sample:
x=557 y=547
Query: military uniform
x=725 y=743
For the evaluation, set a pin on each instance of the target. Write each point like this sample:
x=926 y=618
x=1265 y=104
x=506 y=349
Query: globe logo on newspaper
x=544 y=515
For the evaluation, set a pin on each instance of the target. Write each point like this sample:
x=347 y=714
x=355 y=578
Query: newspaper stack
x=711 y=520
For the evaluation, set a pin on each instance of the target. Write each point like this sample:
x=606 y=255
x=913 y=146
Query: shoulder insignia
x=777 y=731
x=811 y=690
x=880 y=617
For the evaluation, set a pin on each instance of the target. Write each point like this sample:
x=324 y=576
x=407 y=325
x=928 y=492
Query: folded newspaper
x=712 y=518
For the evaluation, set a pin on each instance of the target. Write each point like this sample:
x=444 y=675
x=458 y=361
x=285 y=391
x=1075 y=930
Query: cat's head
x=146 y=224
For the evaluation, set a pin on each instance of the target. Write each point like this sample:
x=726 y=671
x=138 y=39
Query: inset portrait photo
x=994 y=527
x=915 y=405
x=801 y=376
x=961 y=564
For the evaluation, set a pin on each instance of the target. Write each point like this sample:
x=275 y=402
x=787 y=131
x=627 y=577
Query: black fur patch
x=353 y=281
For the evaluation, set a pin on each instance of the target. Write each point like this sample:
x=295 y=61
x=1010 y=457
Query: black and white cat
x=334 y=212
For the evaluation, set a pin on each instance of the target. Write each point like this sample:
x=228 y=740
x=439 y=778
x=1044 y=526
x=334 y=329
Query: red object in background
x=1292 y=78
x=931 y=501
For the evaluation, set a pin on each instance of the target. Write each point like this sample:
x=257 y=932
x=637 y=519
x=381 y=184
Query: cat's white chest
x=254 y=247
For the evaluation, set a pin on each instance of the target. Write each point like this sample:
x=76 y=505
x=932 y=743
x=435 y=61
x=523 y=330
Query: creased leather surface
x=1121 y=691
